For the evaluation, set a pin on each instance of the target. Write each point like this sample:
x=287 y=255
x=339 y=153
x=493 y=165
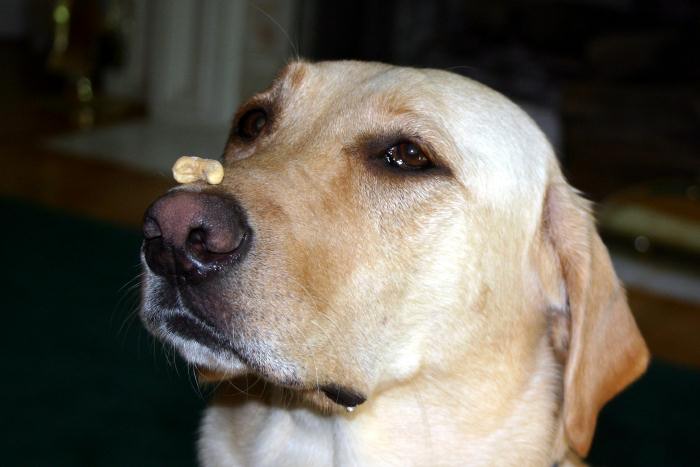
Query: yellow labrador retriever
x=397 y=266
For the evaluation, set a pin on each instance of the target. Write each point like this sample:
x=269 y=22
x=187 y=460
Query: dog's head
x=375 y=222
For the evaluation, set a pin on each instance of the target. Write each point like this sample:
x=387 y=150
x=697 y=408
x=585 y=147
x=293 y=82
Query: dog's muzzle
x=191 y=240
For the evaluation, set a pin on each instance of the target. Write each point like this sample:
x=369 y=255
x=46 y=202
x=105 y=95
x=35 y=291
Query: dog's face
x=373 y=221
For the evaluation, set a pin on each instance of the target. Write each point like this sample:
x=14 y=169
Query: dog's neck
x=427 y=420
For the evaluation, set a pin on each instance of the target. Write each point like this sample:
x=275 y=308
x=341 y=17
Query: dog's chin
x=176 y=321
x=218 y=357
x=216 y=360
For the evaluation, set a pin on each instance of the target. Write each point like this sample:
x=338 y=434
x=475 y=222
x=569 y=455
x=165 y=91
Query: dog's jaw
x=166 y=317
x=217 y=358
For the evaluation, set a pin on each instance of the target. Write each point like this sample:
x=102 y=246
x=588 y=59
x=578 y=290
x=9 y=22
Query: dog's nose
x=190 y=235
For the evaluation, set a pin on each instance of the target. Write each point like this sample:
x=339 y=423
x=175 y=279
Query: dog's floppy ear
x=605 y=349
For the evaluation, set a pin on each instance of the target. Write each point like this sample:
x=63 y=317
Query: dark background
x=614 y=84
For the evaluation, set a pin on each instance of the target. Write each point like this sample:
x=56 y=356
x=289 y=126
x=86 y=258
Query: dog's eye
x=407 y=156
x=251 y=124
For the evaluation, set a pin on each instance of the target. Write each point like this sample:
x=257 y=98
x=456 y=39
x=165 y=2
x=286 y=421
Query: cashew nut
x=188 y=169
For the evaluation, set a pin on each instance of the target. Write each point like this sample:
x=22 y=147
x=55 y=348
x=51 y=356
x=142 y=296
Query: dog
x=393 y=272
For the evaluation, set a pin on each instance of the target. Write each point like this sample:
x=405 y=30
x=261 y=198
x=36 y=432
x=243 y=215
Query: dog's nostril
x=151 y=229
x=220 y=242
x=197 y=237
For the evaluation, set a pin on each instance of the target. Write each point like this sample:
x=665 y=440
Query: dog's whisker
x=136 y=279
x=194 y=380
x=276 y=23
x=231 y=383
x=128 y=321
x=128 y=295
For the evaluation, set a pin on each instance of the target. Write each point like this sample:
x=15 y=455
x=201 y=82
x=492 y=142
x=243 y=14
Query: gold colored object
x=61 y=31
x=188 y=169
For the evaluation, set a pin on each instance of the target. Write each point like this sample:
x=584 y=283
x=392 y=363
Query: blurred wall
x=193 y=61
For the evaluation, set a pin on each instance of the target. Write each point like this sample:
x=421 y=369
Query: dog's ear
x=605 y=350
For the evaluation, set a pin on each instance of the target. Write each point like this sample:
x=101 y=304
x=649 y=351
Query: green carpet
x=84 y=385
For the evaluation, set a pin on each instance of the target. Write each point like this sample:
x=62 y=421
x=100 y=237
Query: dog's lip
x=183 y=323
x=340 y=395
x=189 y=327
x=186 y=325
x=186 y=314
x=192 y=328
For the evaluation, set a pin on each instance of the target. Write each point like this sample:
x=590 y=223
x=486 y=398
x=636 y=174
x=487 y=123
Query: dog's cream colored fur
x=474 y=307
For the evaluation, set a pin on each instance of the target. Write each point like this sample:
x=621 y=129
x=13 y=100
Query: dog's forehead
x=358 y=85
x=495 y=147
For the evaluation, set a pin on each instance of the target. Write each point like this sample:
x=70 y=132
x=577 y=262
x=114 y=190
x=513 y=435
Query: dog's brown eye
x=251 y=123
x=407 y=156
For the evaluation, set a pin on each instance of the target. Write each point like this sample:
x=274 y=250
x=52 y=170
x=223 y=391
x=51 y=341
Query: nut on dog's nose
x=190 y=235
